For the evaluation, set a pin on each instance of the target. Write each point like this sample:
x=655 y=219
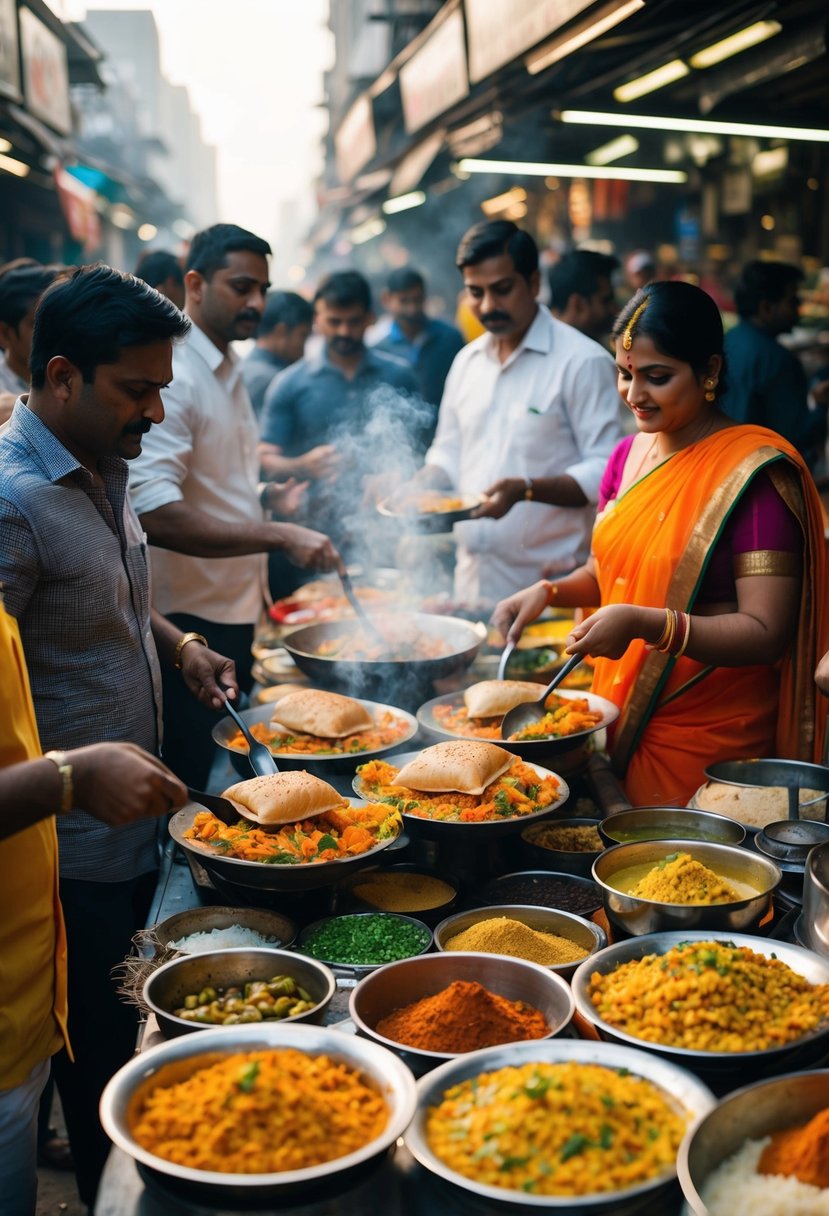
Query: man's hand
x=207 y=673
x=513 y=614
x=320 y=463
x=119 y=783
x=7 y=401
x=285 y=497
x=500 y=498
x=310 y=550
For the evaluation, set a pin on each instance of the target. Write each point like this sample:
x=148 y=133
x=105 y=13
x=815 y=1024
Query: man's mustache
x=138 y=428
x=249 y=315
x=486 y=317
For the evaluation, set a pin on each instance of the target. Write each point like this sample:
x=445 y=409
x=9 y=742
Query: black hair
x=90 y=316
x=491 y=238
x=210 y=247
x=405 y=278
x=20 y=288
x=284 y=308
x=682 y=321
x=157 y=266
x=578 y=274
x=763 y=281
x=345 y=288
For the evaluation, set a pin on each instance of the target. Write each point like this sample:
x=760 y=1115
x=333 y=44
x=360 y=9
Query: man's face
x=601 y=310
x=501 y=298
x=173 y=290
x=784 y=314
x=342 y=326
x=293 y=345
x=408 y=306
x=16 y=341
x=229 y=305
x=110 y=416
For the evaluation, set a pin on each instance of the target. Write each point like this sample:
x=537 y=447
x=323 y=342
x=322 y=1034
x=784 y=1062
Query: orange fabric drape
x=651 y=548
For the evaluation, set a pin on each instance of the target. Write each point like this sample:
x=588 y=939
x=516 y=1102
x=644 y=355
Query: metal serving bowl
x=751 y=1113
x=166 y=988
x=446 y=829
x=669 y=823
x=400 y=984
x=567 y=861
x=532 y=749
x=226 y=728
x=580 y=896
x=814 y=921
x=793 y=775
x=636 y=915
x=545 y=920
x=347 y=899
x=678 y=1086
x=260 y=875
x=207 y=917
x=378 y=1067
x=362 y=968
x=746 y=1064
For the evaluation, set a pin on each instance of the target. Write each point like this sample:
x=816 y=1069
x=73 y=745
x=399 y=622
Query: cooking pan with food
x=430 y=510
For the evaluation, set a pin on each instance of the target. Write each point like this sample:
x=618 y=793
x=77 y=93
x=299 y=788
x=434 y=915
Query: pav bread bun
x=311 y=711
x=494 y=698
x=283 y=797
x=460 y=766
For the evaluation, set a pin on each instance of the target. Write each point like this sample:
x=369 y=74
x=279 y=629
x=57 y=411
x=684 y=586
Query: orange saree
x=652 y=547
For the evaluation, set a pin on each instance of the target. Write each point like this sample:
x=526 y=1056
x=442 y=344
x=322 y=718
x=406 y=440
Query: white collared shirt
x=204 y=453
x=552 y=408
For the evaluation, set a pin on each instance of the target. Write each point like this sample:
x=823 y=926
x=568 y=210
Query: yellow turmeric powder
x=800 y=1152
x=680 y=879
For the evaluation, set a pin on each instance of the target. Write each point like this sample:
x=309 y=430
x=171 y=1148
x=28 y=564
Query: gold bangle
x=64 y=767
x=552 y=594
x=182 y=642
x=659 y=644
x=529 y=490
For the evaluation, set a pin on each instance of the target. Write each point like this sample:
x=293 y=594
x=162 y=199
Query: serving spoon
x=362 y=615
x=505 y=658
x=525 y=715
x=259 y=756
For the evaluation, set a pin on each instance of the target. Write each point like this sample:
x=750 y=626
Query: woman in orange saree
x=709 y=565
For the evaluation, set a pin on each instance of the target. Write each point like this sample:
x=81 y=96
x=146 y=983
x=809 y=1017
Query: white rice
x=736 y=1189
x=231 y=938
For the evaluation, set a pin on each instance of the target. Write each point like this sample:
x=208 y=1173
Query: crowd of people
x=155 y=486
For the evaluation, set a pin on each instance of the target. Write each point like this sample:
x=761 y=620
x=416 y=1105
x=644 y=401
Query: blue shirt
x=430 y=354
x=258 y=370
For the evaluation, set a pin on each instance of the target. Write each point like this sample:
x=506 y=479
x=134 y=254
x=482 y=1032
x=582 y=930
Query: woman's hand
x=609 y=631
x=513 y=614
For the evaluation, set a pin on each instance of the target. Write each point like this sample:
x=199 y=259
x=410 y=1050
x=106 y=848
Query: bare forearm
x=166 y=636
x=729 y=639
x=276 y=467
x=183 y=529
x=576 y=590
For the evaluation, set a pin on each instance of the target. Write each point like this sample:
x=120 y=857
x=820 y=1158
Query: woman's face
x=662 y=393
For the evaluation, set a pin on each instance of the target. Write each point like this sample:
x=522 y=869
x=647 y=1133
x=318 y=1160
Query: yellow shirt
x=32 y=937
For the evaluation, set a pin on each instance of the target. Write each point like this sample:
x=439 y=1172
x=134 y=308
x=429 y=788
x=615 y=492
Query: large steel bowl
x=669 y=823
x=400 y=679
x=379 y=1068
x=400 y=984
x=635 y=915
x=359 y=969
x=544 y=920
x=814 y=921
x=167 y=986
x=262 y=876
x=746 y=1065
x=678 y=1086
x=532 y=749
x=751 y=1113
x=209 y=916
x=226 y=728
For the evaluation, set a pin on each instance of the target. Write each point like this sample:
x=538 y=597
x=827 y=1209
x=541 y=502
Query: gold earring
x=709 y=385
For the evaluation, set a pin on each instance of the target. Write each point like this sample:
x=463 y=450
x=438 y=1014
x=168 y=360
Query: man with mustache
x=195 y=486
x=529 y=417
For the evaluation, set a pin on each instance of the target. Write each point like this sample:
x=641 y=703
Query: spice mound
x=464 y=1017
x=556 y=1129
x=566 y=839
x=403 y=892
x=261 y=1112
x=680 y=879
x=786 y=1174
x=710 y=996
x=367 y=940
x=344 y=832
x=800 y=1152
x=501 y=935
x=256 y=1001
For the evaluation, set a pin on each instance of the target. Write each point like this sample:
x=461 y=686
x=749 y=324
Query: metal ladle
x=522 y=716
x=363 y=617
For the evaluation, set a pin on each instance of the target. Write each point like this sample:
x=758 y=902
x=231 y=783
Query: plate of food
x=430 y=510
x=477 y=713
x=462 y=784
x=323 y=600
x=308 y=726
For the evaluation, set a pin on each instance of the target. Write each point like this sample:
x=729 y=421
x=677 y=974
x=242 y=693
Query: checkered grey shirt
x=73 y=569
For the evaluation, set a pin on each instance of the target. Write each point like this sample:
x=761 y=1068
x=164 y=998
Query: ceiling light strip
x=703 y=126
x=537 y=169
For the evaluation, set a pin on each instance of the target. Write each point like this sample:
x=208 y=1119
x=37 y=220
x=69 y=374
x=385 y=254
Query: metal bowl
x=431 y=521
x=580 y=896
x=347 y=899
x=751 y=1113
x=669 y=823
x=207 y=917
x=747 y=1064
x=361 y=968
x=815 y=919
x=544 y=920
x=400 y=984
x=444 y=828
x=534 y=749
x=226 y=728
x=636 y=915
x=378 y=1067
x=566 y=861
x=166 y=988
x=679 y=1086
x=794 y=775
x=259 y=875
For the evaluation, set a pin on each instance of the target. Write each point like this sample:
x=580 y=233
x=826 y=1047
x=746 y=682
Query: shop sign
x=355 y=141
x=499 y=32
x=45 y=73
x=78 y=204
x=435 y=77
x=9 y=52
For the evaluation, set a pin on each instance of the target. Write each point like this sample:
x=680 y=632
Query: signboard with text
x=499 y=33
x=9 y=50
x=355 y=141
x=45 y=73
x=435 y=77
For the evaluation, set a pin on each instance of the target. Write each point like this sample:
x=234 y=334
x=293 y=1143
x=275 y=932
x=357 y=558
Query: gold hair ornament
x=627 y=340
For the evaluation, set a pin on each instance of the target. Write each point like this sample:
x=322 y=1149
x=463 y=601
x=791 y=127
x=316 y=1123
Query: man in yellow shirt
x=123 y=783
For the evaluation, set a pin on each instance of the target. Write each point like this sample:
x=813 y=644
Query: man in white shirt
x=196 y=489
x=529 y=416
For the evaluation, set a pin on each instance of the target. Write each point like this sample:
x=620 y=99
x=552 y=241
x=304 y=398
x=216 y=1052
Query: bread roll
x=460 y=765
x=494 y=698
x=324 y=714
x=283 y=797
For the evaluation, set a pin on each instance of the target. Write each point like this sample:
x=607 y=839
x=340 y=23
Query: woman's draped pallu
x=652 y=548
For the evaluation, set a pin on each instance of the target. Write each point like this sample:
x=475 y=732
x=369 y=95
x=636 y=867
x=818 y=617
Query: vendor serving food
x=313 y=722
x=486 y=702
